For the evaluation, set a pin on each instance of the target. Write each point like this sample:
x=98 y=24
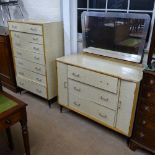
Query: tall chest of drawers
x=144 y=126
x=102 y=90
x=36 y=45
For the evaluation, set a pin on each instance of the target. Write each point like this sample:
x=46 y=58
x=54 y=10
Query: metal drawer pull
x=142 y=135
x=35 y=39
x=76 y=75
x=37 y=58
x=65 y=85
x=21 y=73
x=148 y=95
x=76 y=104
x=22 y=84
x=147 y=108
x=40 y=80
x=107 y=84
x=14 y=27
x=104 y=99
x=38 y=69
x=103 y=115
x=77 y=89
x=33 y=29
x=39 y=91
x=18 y=44
x=8 y=121
x=20 y=63
x=35 y=48
x=19 y=53
x=17 y=36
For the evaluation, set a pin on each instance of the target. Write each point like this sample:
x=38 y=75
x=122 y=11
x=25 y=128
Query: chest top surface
x=115 y=68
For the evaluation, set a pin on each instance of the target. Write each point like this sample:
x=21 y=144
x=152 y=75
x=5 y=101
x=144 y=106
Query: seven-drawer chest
x=101 y=89
x=35 y=46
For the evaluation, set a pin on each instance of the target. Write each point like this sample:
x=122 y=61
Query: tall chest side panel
x=53 y=46
x=62 y=70
x=127 y=106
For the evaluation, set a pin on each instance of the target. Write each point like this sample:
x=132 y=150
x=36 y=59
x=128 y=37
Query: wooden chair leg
x=10 y=141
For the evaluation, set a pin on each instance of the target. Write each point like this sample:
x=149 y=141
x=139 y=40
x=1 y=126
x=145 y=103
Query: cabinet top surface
x=119 y=69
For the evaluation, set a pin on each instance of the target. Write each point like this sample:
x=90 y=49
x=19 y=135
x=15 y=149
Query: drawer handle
x=14 y=27
x=18 y=44
x=35 y=39
x=17 y=36
x=40 y=80
x=77 y=104
x=22 y=84
x=77 y=89
x=107 y=84
x=20 y=63
x=104 y=99
x=35 y=48
x=147 y=108
x=65 y=85
x=36 y=58
x=103 y=115
x=141 y=135
x=143 y=122
x=21 y=73
x=33 y=29
x=76 y=75
x=38 y=69
x=8 y=121
x=19 y=53
x=39 y=91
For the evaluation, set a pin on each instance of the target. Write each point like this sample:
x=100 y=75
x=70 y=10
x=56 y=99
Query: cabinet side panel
x=62 y=83
x=128 y=95
x=53 y=38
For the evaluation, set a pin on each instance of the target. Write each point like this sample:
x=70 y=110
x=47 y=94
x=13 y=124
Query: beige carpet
x=53 y=133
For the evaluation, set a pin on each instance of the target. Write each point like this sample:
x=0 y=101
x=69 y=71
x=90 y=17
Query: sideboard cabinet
x=7 y=73
x=36 y=45
x=104 y=90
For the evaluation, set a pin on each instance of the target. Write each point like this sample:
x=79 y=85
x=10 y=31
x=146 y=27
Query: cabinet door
x=126 y=107
x=62 y=70
x=6 y=64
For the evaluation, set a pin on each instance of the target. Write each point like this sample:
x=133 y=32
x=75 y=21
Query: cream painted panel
x=31 y=75
x=36 y=48
x=62 y=71
x=98 y=96
x=40 y=69
x=27 y=37
x=103 y=114
x=33 y=57
x=23 y=27
x=126 y=100
x=95 y=79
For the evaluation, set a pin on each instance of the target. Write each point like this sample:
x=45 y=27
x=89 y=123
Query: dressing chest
x=104 y=90
x=36 y=45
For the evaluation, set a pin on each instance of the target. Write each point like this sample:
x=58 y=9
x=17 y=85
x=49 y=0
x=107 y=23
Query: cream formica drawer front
x=27 y=37
x=28 y=28
x=31 y=86
x=40 y=69
x=98 y=96
x=100 y=113
x=36 y=48
x=31 y=76
x=95 y=79
x=33 y=57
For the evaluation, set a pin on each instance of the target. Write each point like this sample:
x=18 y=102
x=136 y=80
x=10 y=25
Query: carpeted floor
x=53 y=133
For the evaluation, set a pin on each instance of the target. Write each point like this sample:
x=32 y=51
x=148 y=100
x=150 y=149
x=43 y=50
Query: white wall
x=43 y=9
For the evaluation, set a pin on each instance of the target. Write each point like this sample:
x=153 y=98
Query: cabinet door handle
x=104 y=99
x=77 y=89
x=65 y=85
x=77 y=104
x=8 y=121
x=76 y=75
x=151 y=82
x=141 y=135
x=143 y=122
x=103 y=115
x=147 y=108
